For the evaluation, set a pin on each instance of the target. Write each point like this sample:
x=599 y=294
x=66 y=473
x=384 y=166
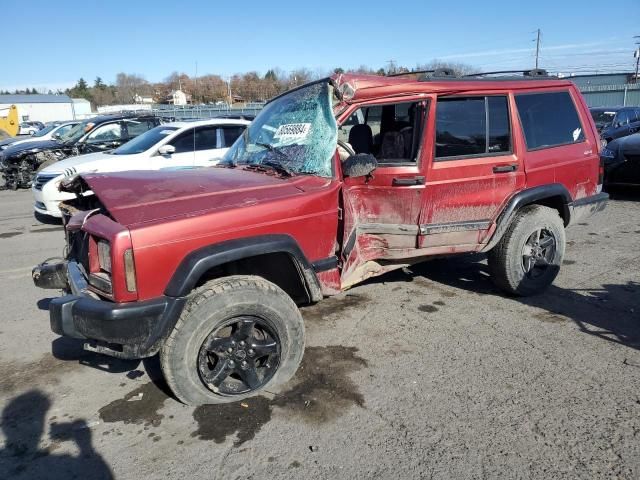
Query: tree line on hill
x=210 y=89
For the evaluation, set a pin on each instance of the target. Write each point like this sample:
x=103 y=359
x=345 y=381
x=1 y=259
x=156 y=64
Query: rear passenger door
x=559 y=147
x=227 y=135
x=473 y=170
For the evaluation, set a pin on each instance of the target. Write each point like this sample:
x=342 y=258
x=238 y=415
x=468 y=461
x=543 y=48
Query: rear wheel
x=528 y=257
x=236 y=336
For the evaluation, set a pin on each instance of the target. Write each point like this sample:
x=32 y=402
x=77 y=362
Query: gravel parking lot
x=428 y=373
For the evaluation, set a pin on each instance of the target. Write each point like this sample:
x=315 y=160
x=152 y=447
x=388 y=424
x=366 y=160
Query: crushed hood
x=145 y=196
x=39 y=146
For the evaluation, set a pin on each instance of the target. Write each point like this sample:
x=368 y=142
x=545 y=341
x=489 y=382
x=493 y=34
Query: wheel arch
x=277 y=258
x=554 y=195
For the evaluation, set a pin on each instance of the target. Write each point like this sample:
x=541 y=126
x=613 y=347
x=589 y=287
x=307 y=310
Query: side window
x=136 y=126
x=622 y=118
x=62 y=130
x=549 y=119
x=472 y=126
x=230 y=134
x=206 y=138
x=184 y=142
x=390 y=132
x=103 y=133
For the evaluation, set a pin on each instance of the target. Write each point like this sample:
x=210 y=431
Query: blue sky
x=52 y=44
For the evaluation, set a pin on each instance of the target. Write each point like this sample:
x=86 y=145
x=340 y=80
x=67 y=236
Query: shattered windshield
x=297 y=132
x=76 y=132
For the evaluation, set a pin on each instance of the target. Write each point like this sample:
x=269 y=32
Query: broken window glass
x=297 y=130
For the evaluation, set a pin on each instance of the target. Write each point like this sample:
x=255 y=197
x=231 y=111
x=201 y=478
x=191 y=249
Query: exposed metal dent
x=454 y=227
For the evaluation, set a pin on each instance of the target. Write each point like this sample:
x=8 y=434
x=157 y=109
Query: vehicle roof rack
x=437 y=72
x=533 y=74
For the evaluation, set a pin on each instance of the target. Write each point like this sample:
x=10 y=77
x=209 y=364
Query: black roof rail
x=500 y=75
x=534 y=72
x=437 y=72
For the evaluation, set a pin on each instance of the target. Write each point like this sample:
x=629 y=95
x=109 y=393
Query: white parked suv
x=49 y=132
x=170 y=146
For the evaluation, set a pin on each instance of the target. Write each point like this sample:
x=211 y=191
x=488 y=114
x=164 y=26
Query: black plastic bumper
x=124 y=330
x=588 y=206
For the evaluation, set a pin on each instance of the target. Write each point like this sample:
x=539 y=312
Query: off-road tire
x=209 y=307
x=505 y=259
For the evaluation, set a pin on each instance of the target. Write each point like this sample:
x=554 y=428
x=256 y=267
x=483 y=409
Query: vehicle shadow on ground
x=72 y=349
x=629 y=194
x=611 y=312
x=46 y=219
x=23 y=426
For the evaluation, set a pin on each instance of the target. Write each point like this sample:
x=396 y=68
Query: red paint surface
x=167 y=215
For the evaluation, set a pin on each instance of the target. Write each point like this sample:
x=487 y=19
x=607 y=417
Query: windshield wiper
x=277 y=166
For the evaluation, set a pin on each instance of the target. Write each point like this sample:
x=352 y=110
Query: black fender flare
x=527 y=197
x=198 y=262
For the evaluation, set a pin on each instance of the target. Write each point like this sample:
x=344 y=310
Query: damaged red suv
x=334 y=182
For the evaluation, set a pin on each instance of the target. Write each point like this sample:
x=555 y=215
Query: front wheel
x=236 y=336
x=528 y=257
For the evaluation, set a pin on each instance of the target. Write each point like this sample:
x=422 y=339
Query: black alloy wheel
x=240 y=356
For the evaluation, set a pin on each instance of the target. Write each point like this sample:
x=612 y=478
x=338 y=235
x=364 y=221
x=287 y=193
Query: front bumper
x=124 y=330
x=586 y=207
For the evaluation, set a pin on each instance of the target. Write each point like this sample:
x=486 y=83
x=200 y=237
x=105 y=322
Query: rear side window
x=549 y=119
x=206 y=138
x=137 y=126
x=231 y=133
x=472 y=126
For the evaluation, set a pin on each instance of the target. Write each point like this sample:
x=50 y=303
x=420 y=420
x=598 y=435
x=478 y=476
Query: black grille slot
x=42 y=179
x=79 y=248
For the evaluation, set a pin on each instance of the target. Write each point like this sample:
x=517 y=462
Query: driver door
x=381 y=211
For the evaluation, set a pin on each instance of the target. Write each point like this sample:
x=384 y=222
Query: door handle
x=407 y=181
x=505 y=168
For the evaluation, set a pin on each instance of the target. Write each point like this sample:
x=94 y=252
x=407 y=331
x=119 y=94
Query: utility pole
x=537 y=47
x=637 y=55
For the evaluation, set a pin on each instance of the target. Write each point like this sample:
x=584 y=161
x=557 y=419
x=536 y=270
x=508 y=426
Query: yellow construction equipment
x=9 y=120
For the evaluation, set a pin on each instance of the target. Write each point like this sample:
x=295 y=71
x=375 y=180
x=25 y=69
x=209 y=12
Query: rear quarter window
x=549 y=119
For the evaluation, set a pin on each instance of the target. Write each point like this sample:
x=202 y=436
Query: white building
x=41 y=108
x=178 y=97
x=82 y=108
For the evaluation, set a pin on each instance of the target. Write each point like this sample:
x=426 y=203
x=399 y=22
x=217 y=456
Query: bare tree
x=129 y=86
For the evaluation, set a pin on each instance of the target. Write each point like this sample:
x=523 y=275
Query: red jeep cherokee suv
x=334 y=182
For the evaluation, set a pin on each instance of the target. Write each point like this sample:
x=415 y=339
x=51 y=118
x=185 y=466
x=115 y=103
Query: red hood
x=145 y=196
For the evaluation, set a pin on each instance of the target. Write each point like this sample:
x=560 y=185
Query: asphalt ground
x=423 y=373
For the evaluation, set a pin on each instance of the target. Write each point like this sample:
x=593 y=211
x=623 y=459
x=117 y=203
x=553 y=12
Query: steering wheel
x=347 y=147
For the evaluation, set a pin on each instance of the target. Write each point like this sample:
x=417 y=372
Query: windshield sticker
x=292 y=131
x=576 y=134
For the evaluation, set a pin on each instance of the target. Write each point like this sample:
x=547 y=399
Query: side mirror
x=167 y=150
x=359 y=165
x=32 y=133
x=56 y=135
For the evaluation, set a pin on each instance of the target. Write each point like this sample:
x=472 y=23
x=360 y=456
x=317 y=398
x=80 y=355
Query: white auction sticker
x=292 y=130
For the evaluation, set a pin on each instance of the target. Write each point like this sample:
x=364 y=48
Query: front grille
x=78 y=248
x=42 y=179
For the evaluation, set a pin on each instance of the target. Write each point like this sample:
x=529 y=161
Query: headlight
x=104 y=255
x=607 y=153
